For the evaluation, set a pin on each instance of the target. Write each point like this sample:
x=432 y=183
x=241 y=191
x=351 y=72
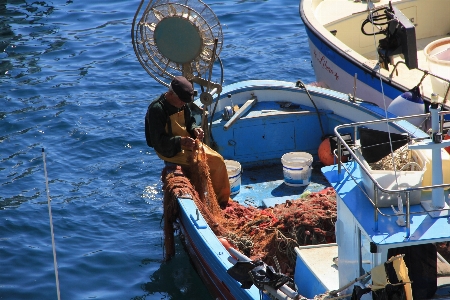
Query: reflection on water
x=152 y=192
x=22 y=30
x=175 y=279
x=16 y=200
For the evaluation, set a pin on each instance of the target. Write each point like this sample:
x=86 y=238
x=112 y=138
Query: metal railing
x=425 y=74
x=377 y=187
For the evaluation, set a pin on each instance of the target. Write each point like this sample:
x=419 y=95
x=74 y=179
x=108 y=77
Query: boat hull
x=337 y=71
x=337 y=68
x=209 y=256
x=210 y=278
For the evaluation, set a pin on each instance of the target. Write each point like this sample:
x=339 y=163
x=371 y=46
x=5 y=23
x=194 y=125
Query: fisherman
x=171 y=130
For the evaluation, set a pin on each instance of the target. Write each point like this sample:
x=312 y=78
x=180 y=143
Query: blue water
x=70 y=83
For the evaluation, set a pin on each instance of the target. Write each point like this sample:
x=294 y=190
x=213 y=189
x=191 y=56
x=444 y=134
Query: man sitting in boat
x=171 y=129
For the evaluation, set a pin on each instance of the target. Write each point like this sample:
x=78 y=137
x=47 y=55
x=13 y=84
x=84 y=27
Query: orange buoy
x=325 y=154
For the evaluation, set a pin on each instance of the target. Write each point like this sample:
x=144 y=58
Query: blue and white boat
x=382 y=215
x=380 y=49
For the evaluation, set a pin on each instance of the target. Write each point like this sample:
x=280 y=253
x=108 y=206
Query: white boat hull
x=346 y=60
x=330 y=74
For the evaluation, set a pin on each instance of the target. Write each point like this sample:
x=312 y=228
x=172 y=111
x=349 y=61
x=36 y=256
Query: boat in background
x=299 y=226
x=378 y=50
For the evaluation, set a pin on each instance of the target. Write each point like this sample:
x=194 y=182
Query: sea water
x=70 y=84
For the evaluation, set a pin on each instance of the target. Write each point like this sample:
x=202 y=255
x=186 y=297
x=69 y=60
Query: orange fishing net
x=176 y=184
x=200 y=179
x=269 y=234
x=199 y=188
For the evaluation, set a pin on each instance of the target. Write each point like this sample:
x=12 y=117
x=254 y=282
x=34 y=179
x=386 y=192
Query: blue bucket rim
x=297 y=169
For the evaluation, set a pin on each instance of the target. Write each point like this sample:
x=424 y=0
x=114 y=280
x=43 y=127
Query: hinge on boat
x=373 y=247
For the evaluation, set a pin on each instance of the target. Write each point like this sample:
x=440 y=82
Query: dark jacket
x=155 y=126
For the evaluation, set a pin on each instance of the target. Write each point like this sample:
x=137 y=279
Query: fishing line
x=384 y=99
x=51 y=226
x=401 y=217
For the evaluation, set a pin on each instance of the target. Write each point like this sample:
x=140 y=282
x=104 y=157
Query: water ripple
x=71 y=84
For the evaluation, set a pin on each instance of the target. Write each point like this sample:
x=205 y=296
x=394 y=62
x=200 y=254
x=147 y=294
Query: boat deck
x=423 y=228
x=403 y=75
x=263 y=186
x=328 y=11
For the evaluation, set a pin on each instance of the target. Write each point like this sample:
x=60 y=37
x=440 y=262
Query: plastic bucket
x=297 y=168
x=438 y=57
x=234 y=171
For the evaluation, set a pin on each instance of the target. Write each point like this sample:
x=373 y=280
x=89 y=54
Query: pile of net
x=269 y=234
x=400 y=159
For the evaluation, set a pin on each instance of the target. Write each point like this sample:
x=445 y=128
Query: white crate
x=391 y=180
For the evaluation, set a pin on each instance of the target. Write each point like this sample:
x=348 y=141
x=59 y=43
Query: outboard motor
x=400 y=36
x=400 y=39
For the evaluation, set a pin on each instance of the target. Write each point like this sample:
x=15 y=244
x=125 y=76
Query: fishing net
x=400 y=159
x=198 y=187
x=176 y=184
x=201 y=180
x=269 y=234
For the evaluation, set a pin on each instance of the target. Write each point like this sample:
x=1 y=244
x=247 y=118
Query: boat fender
x=324 y=152
x=408 y=103
x=227 y=246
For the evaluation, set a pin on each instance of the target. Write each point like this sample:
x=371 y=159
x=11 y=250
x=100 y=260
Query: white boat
x=349 y=57
x=274 y=136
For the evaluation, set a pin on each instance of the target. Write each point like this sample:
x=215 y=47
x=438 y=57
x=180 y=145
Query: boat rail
x=377 y=187
x=425 y=74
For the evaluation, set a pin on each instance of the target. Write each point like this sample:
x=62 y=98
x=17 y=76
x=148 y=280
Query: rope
x=55 y=263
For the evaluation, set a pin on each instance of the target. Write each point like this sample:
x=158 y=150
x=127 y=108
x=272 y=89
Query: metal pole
x=375 y=195
x=408 y=225
x=339 y=155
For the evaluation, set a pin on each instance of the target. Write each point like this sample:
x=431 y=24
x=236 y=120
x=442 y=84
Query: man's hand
x=187 y=142
x=198 y=132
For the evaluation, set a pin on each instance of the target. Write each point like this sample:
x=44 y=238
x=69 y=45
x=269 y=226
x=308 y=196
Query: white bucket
x=297 y=168
x=234 y=171
x=438 y=57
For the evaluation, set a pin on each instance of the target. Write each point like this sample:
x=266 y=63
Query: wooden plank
x=246 y=107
